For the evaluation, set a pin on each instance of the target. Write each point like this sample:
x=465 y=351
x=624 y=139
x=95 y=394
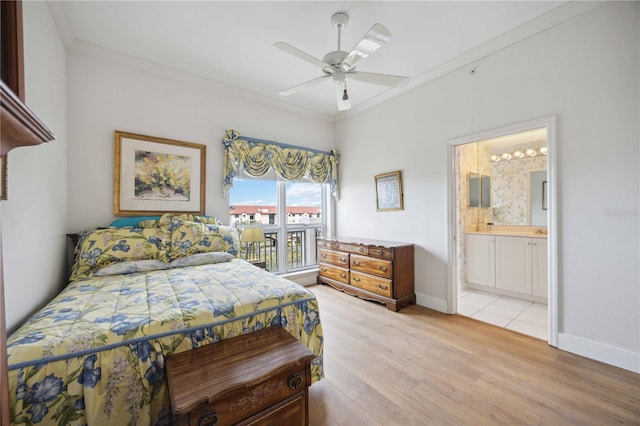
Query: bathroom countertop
x=508 y=234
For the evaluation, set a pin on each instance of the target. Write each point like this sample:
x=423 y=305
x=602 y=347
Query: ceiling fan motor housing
x=334 y=58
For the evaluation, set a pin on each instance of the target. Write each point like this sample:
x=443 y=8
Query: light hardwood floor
x=421 y=367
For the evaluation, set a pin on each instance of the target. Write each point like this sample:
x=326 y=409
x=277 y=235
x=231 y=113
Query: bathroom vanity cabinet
x=511 y=265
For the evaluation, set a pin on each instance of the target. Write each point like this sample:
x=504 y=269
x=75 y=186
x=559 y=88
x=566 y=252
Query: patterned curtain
x=256 y=157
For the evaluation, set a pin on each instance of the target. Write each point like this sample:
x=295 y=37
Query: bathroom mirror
x=479 y=190
x=485 y=191
x=474 y=190
x=538 y=197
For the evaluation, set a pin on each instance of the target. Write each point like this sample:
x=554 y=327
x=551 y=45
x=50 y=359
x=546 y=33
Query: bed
x=95 y=354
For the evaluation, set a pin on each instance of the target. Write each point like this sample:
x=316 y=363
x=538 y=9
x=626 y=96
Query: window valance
x=256 y=157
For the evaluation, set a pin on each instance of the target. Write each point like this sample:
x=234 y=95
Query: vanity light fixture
x=519 y=154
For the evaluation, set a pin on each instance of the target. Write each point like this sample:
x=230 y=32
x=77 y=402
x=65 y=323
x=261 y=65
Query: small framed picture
x=389 y=191
x=153 y=176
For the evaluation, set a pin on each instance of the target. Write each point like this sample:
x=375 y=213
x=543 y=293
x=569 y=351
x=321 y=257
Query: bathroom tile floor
x=514 y=314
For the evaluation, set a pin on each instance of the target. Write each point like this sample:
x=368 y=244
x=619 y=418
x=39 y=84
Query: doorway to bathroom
x=502 y=228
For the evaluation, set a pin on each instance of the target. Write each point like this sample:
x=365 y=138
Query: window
x=290 y=214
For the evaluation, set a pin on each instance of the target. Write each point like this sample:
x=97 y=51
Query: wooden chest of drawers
x=370 y=269
x=258 y=378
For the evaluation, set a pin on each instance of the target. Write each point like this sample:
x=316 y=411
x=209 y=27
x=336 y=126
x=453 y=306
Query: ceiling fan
x=338 y=65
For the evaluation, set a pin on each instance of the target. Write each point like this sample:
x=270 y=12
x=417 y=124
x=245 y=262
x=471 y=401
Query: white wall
x=586 y=71
x=34 y=218
x=106 y=96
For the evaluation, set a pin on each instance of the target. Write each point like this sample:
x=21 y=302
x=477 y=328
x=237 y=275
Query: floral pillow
x=132 y=266
x=188 y=237
x=104 y=247
x=207 y=219
x=154 y=223
x=208 y=258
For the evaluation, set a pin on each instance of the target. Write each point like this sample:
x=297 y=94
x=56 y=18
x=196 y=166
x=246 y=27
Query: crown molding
x=529 y=29
x=80 y=47
x=62 y=23
x=552 y=18
x=101 y=53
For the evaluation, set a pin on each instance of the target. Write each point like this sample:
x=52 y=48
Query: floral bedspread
x=95 y=354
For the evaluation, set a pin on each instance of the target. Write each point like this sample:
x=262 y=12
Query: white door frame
x=548 y=122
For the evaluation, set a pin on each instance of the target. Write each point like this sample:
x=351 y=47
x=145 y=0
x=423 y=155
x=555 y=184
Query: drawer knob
x=356 y=279
x=208 y=418
x=342 y=259
x=356 y=262
x=323 y=255
x=382 y=268
x=383 y=287
x=361 y=249
x=378 y=252
x=343 y=275
x=295 y=381
x=323 y=269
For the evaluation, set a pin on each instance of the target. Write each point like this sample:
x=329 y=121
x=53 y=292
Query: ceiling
x=232 y=42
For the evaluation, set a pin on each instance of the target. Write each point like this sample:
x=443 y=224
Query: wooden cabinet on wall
x=382 y=271
x=509 y=264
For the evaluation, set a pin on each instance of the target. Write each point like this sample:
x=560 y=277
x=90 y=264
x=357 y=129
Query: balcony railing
x=301 y=248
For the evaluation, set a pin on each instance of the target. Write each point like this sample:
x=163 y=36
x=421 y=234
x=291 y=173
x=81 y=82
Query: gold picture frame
x=389 y=196
x=154 y=175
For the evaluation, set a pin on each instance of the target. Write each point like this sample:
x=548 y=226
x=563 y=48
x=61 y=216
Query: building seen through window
x=290 y=214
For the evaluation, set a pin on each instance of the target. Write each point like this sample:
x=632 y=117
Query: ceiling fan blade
x=301 y=86
x=381 y=79
x=286 y=47
x=372 y=40
x=343 y=104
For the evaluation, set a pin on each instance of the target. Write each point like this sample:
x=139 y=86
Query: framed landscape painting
x=153 y=176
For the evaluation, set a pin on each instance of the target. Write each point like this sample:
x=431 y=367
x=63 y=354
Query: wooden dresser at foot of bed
x=259 y=378
x=370 y=269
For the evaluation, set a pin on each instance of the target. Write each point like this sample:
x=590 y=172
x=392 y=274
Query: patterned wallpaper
x=509 y=185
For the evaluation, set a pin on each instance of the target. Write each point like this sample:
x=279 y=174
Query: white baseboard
x=304 y=278
x=600 y=352
x=431 y=302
